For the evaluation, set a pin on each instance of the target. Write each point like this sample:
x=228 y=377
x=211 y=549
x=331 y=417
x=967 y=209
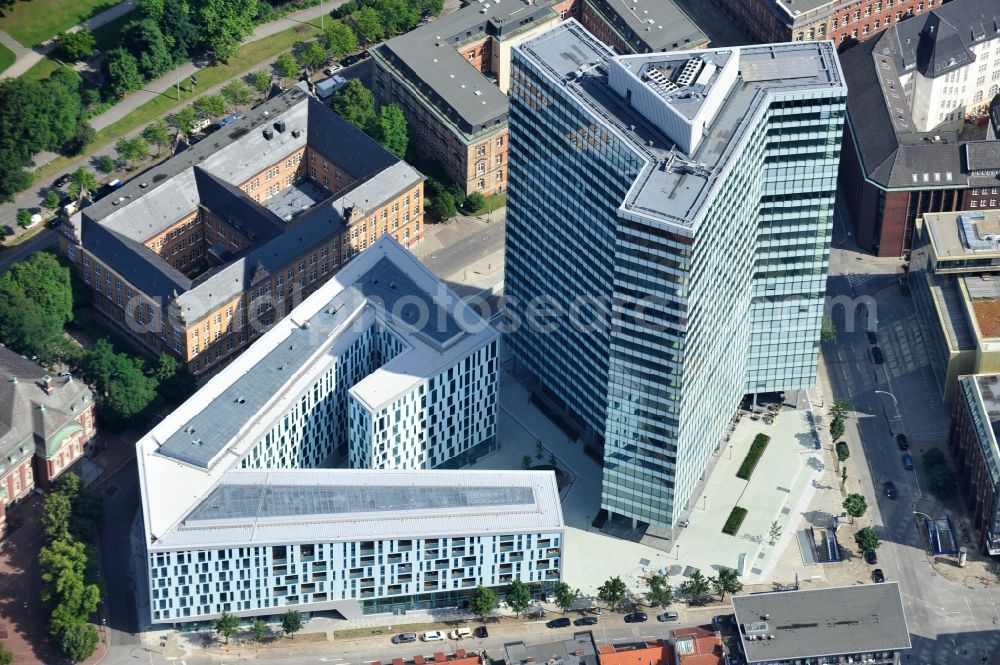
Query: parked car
x=586 y=621
x=878 y=576
x=877 y=356
x=890 y=489
x=61 y=181
x=902 y=442
x=907 y=462
x=460 y=633
x=404 y=638
x=481 y=632
x=667 y=616
x=871 y=557
x=350 y=60
x=330 y=71
x=635 y=617
x=872 y=337
x=561 y=622
x=432 y=636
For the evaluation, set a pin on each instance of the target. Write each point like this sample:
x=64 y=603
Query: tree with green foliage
x=227 y=625
x=942 y=481
x=124 y=388
x=78 y=641
x=63 y=565
x=391 y=130
x=178 y=25
x=146 y=41
x=474 y=202
x=774 y=532
x=261 y=82
x=867 y=539
x=397 y=15
x=483 y=602
x=185 y=120
x=107 y=164
x=837 y=428
x=312 y=56
x=158 y=133
x=828 y=331
x=726 y=581
x=82 y=182
x=355 y=104
x=368 y=25
x=613 y=592
x=175 y=383
x=132 y=149
x=565 y=596
x=517 y=596
x=291 y=622
x=855 y=505
x=696 y=588
x=526 y=462
x=56 y=513
x=237 y=92
x=52 y=199
x=6 y=657
x=841 y=407
x=226 y=23
x=444 y=205
x=210 y=106
x=77 y=45
x=339 y=39
x=658 y=593
x=122 y=71
x=259 y=630
x=286 y=66
x=23 y=218
x=36 y=301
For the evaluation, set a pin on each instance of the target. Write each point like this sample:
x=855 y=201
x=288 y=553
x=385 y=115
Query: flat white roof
x=193 y=449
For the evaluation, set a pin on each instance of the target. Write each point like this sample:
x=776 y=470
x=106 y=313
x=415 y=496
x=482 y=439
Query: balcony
x=516 y=557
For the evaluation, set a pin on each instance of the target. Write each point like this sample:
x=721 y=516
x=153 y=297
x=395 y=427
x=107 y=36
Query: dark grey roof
x=982 y=155
x=30 y=416
x=230 y=501
x=652 y=25
x=821 y=622
x=232 y=205
x=135 y=262
x=578 y=650
x=940 y=49
x=335 y=137
x=386 y=287
x=893 y=154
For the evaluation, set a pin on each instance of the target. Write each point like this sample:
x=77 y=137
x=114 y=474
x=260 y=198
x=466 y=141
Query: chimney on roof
x=47 y=384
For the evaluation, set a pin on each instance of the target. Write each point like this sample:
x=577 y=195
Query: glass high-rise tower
x=668 y=234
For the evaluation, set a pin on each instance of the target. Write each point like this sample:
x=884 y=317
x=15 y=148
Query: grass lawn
x=41 y=70
x=31 y=23
x=6 y=57
x=251 y=54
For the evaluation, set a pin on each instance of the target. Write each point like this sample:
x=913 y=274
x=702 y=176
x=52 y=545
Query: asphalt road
x=45 y=239
x=949 y=622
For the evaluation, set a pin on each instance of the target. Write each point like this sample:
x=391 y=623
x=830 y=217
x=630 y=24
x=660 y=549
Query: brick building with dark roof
x=45 y=423
x=916 y=137
x=197 y=256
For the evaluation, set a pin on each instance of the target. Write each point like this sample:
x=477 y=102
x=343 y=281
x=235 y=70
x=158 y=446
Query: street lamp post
x=895 y=403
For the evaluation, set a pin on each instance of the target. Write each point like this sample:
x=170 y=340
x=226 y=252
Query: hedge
x=732 y=525
x=753 y=456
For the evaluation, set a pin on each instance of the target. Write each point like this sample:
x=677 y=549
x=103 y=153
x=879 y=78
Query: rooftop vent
x=279 y=126
x=296 y=133
x=268 y=134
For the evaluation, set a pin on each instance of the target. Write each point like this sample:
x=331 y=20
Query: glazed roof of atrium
x=386 y=287
x=673 y=187
x=988 y=389
x=209 y=174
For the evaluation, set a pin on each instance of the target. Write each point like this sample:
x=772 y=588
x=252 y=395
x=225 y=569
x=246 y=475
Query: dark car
x=403 y=638
x=481 y=632
x=561 y=622
x=350 y=60
x=872 y=337
x=61 y=180
x=871 y=557
x=890 y=489
x=635 y=617
x=54 y=223
x=878 y=576
x=907 y=462
x=667 y=616
x=586 y=621
x=877 y=356
x=902 y=442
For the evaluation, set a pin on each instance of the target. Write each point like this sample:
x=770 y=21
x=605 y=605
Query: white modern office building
x=668 y=232
x=383 y=368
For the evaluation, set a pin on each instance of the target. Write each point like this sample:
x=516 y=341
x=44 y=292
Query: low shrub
x=843 y=452
x=753 y=456
x=735 y=520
